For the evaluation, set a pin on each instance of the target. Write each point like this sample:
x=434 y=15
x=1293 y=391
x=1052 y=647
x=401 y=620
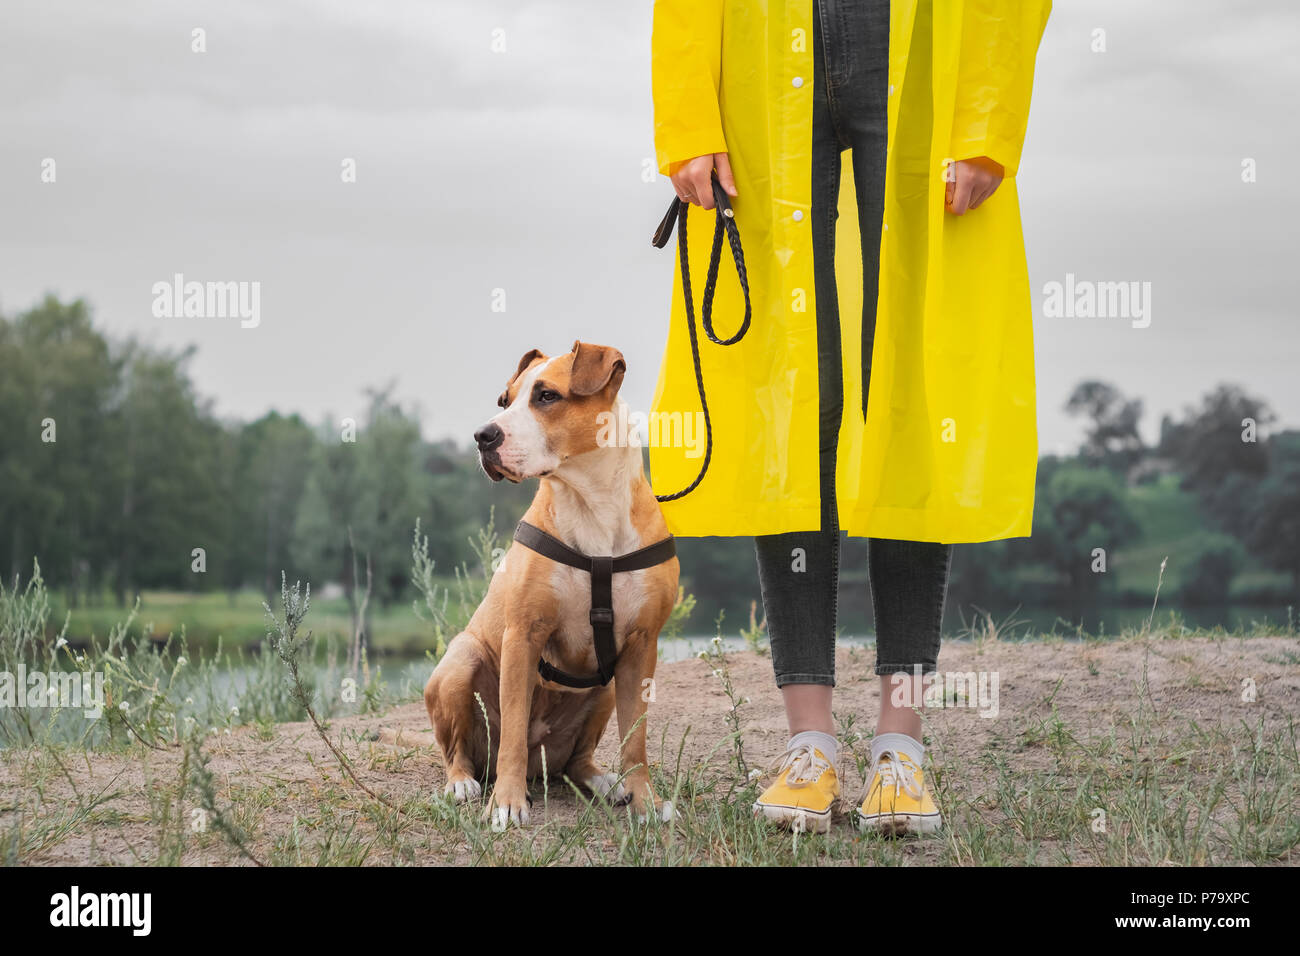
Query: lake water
x=1113 y=620
x=1014 y=624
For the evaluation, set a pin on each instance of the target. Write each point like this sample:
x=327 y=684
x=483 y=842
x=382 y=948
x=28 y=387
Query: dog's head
x=551 y=411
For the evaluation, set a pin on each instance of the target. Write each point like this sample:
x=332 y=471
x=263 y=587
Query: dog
x=594 y=497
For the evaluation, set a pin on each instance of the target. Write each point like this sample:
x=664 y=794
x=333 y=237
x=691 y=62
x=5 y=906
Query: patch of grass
x=236 y=620
x=134 y=690
x=1139 y=785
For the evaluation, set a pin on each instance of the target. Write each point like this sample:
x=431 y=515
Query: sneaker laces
x=904 y=779
x=801 y=765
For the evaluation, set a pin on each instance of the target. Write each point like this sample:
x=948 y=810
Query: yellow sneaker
x=898 y=802
x=803 y=792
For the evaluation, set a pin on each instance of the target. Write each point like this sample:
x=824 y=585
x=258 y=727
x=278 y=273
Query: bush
x=1210 y=570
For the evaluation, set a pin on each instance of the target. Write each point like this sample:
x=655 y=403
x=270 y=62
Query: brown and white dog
x=594 y=497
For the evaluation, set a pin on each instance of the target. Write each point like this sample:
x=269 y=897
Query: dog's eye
x=546 y=396
x=503 y=400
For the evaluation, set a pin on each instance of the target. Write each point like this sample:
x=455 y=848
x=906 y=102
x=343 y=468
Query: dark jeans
x=798 y=571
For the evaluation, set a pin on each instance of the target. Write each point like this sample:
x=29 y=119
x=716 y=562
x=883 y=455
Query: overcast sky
x=524 y=170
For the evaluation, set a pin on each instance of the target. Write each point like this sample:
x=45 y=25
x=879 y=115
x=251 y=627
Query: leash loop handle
x=724 y=224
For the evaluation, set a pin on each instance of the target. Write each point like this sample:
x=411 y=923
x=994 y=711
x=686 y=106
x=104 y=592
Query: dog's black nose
x=489 y=436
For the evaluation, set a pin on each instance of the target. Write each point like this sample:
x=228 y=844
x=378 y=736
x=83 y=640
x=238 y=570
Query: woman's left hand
x=970 y=182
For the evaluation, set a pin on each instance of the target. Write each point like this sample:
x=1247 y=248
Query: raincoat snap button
x=797 y=81
x=798 y=215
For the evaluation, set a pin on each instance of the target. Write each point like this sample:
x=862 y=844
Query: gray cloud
x=523 y=170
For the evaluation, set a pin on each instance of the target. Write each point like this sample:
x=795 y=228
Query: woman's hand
x=970 y=182
x=692 y=179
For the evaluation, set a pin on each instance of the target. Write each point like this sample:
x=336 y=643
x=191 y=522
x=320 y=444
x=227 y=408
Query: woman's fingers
x=975 y=181
x=702 y=184
x=971 y=184
x=722 y=163
x=693 y=182
x=990 y=188
x=961 y=192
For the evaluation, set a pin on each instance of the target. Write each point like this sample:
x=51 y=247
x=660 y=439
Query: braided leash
x=725 y=222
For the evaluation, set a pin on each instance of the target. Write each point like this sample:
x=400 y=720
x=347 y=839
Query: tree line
x=119 y=477
x=114 y=472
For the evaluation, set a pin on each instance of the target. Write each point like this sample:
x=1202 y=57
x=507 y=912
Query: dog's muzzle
x=489 y=439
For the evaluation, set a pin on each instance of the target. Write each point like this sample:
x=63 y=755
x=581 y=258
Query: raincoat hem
x=777 y=518
x=919 y=524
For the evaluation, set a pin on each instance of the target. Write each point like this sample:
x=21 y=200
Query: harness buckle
x=602 y=615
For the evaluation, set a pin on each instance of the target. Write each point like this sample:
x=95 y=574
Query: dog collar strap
x=601 y=568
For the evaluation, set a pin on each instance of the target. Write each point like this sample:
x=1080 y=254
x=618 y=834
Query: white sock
x=815 y=738
x=899 y=742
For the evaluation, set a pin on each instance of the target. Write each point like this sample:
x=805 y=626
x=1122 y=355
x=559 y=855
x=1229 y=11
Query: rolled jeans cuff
x=827 y=680
x=926 y=667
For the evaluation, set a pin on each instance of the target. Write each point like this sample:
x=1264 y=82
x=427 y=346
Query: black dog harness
x=601 y=568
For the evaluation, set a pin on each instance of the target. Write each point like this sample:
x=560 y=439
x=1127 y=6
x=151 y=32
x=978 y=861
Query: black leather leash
x=725 y=222
x=602 y=569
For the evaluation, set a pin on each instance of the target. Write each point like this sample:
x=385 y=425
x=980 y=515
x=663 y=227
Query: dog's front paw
x=646 y=804
x=607 y=785
x=663 y=813
x=463 y=789
x=509 y=804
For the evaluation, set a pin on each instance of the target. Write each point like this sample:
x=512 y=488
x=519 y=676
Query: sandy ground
x=1093 y=688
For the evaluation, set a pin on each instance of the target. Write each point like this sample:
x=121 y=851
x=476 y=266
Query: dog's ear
x=524 y=362
x=595 y=368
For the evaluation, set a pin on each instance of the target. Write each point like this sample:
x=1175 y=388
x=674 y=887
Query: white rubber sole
x=899 y=824
x=795 y=818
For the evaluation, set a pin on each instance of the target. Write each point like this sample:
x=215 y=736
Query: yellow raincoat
x=948 y=449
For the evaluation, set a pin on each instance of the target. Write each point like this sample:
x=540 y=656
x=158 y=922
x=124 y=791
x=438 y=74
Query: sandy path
x=1094 y=688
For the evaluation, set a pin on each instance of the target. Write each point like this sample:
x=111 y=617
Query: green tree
x=397 y=490
x=1211 y=568
x=58 y=380
x=333 y=501
x=1112 y=438
x=1211 y=449
x=165 y=480
x=1273 y=512
x=1079 y=509
x=274 y=458
x=365 y=495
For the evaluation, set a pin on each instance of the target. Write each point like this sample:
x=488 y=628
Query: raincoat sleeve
x=995 y=76
x=685 y=63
